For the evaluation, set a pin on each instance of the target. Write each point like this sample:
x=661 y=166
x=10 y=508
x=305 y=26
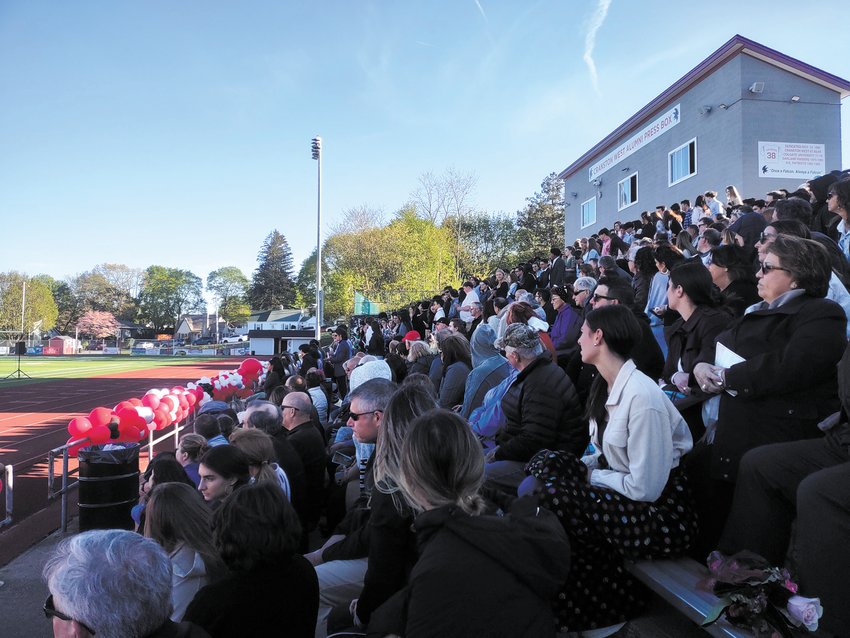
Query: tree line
x=433 y=240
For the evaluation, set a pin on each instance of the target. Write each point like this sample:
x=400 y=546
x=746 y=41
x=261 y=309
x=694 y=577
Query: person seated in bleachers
x=690 y=339
x=541 y=408
x=180 y=522
x=192 y=447
x=489 y=369
x=456 y=358
x=625 y=499
x=111 y=583
x=271 y=589
x=790 y=344
x=511 y=565
x=223 y=470
x=807 y=483
x=733 y=272
x=258 y=448
x=207 y=426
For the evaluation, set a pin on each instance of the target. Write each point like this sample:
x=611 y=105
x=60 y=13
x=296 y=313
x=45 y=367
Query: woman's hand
x=680 y=380
x=710 y=378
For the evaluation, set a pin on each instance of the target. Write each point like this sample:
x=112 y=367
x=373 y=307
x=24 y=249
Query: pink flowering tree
x=98 y=324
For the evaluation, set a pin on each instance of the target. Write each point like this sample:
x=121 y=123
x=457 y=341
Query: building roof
x=737 y=45
x=284 y=314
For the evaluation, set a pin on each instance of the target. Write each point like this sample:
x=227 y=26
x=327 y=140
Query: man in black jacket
x=557 y=268
x=542 y=410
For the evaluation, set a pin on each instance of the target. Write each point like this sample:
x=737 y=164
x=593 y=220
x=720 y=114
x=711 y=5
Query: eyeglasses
x=291 y=407
x=578 y=292
x=763 y=237
x=597 y=297
x=355 y=416
x=766 y=268
x=50 y=612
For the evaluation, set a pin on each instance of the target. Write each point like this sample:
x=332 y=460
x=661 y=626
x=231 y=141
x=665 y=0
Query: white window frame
x=593 y=221
x=670 y=181
x=620 y=205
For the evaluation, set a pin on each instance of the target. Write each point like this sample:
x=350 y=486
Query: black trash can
x=109 y=486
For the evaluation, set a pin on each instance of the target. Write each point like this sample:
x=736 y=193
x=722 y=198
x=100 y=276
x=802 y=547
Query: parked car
x=235 y=339
x=203 y=341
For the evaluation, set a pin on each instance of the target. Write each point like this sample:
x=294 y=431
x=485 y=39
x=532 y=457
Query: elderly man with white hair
x=112 y=584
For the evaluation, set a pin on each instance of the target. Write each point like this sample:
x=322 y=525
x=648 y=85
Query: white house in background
x=194 y=326
x=274 y=331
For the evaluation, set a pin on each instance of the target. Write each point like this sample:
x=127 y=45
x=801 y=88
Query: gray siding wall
x=727 y=142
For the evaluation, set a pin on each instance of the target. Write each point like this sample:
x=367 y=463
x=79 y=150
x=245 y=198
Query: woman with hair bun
x=515 y=563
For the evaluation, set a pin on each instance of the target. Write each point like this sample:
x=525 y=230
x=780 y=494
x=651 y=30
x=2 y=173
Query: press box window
x=588 y=212
x=682 y=162
x=627 y=192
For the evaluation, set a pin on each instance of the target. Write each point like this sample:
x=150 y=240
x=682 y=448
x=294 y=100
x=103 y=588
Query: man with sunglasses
x=297 y=408
x=112 y=583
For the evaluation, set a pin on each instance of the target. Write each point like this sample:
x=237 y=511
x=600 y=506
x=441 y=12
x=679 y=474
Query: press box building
x=746 y=116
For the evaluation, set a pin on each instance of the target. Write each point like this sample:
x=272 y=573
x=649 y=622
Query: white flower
x=805 y=611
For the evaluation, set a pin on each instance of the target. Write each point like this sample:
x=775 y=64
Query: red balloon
x=79 y=427
x=200 y=393
x=151 y=400
x=122 y=406
x=161 y=418
x=99 y=434
x=170 y=402
x=135 y=402
x=100 y=416
x=191 y=399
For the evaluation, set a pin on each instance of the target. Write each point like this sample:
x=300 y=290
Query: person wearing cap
x=542 y=410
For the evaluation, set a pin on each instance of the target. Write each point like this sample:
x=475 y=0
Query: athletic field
x=52 y=368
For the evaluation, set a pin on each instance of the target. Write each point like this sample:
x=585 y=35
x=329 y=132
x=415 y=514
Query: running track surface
x=34 y=419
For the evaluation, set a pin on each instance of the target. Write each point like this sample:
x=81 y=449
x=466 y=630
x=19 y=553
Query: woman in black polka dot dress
x=626 y=500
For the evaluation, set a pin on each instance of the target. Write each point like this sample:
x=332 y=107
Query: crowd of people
x=483 y=462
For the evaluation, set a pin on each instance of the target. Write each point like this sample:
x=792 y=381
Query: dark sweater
x=270 y=600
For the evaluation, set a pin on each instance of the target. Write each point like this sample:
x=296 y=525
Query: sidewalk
x=23 y=591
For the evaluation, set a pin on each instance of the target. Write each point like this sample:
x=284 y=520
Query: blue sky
x=178 y=133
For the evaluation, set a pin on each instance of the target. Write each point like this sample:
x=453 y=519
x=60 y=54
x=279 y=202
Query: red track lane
x=34 y=419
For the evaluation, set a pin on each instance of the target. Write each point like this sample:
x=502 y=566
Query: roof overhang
x=737 y=45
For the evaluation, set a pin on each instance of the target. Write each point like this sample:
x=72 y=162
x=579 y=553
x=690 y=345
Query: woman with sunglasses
x=785 y=383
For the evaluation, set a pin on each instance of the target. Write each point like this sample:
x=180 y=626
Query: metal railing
x=9 y=486
x=62 y=493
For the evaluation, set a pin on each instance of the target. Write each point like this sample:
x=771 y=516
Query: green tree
x=229 y=285
x=486 y=241
x=541 y=221
x=39 y=305
x=272 y=285
x=166 y=294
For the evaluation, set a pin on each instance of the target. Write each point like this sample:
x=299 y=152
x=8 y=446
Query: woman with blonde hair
x=733 y=198
x=392 y=543
x=419 y=357
x=178 y=520
x=258 y=448
x=519 y=560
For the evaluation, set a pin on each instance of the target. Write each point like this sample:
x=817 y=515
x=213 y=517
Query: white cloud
x=593 y=27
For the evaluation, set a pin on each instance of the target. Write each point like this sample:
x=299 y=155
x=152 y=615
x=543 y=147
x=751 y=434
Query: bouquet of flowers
x=758 y=597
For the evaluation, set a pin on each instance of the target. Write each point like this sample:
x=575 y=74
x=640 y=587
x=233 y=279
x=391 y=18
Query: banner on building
x=791 y=159
x=657 y=127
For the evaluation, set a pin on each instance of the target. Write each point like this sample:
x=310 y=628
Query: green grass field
x=76 y=367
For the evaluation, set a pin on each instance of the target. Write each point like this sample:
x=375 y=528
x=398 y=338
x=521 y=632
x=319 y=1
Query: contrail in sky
x=481 y=9
x=590 y=39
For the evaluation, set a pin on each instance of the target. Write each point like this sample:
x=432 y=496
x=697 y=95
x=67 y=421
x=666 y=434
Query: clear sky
x=178 y=133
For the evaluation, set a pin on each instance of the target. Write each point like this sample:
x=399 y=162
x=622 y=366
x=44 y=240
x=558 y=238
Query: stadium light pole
x=317 y=155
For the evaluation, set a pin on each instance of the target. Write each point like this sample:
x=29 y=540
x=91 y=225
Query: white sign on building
x=791 y=159
x=657 y=127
